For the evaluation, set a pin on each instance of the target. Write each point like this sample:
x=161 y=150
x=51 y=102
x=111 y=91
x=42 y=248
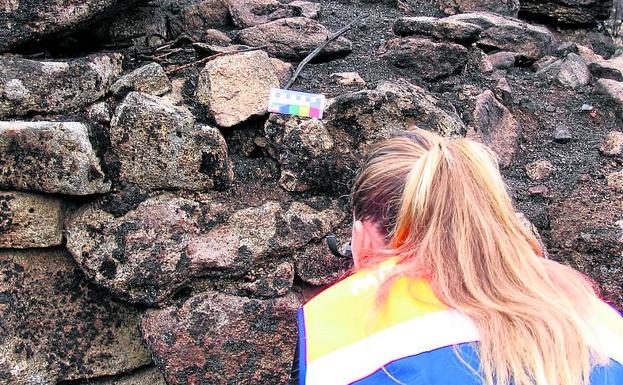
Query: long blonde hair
x=447 y=216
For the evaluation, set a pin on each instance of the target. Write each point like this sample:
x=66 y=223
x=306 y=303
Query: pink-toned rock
x=615 y=181
x=612 y=144
x=348 y=79
x=540 y=169
x=215 y=338
x=249 y=13
x=613 y=90
x=495 y=126
x=502 y=7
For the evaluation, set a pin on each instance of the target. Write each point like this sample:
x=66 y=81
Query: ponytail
x=447 y=217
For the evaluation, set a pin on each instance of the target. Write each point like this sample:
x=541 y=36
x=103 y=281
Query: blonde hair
x=447 y=216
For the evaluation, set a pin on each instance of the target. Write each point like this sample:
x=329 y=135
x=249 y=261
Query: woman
x=449 y=287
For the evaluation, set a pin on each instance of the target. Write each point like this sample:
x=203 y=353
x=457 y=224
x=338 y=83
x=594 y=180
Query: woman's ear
x=366 y=240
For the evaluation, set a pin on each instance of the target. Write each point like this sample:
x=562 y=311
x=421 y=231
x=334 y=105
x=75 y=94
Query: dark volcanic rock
x=568 y=11
x=293 y=38
x=495 y=126
x=149 y=376
x=323 y=155
x=23 y=21
x=155 y=249
x=502 y=7
x=221 y=339
x=47 y=87
x=51 y=157
x=159 y=146
x=430 y=59
x=196 y=16
x=442 y=29
x=30 y=220
x=587 y=227
x=510 y=34
x=56 y=326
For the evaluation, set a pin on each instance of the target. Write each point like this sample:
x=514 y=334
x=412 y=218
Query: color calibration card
x=296 y=103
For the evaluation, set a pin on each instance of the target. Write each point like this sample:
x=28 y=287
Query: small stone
x=236 y=87
x=214 y=36
x=550 y=108
x=30 y=220
x=584 y=177
x=562 y=134
x=615 y=181
x=612 y=144
x=588 y=54
x=348 y=79
x=249 y=13
x=586 y=107
x=613 y=90
x=503 y=91
x=539 y=190
x=150 y=79
x=540 y=169
x=502 y=60
x=574 y=72
x=52 y=157
x=99 y=112
x=566 y=48
x=495 y=126
x=304 y=8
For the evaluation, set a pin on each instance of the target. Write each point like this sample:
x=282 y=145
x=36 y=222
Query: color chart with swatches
x=296 y=103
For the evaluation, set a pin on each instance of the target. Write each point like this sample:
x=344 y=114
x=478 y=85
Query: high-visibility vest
x=347 y=337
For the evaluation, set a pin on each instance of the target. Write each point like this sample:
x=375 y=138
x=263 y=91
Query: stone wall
x=157 y=225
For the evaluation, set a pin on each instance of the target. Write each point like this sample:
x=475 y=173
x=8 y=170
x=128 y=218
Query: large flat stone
x=164 y=243
x=23 y=21
x=509 y=34
x=502 y=7
x=53 y=157
x=159 y=146
x=30 y=220
x=569 y=12
x=49 y=87
x=56 y=326
x=442 y=29
x=214 y=338
x=293 y=38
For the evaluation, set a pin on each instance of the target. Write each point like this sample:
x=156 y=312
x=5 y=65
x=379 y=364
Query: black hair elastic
x=332 y=243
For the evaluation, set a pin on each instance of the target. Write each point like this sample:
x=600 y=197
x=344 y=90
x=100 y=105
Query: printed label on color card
x=296 y=103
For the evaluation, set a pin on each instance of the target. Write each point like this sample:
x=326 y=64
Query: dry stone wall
x=158 y=226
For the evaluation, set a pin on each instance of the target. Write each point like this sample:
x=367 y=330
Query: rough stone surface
x=615 y=181
x=57 y=326
x=502 y=60
x=293 y=38
x=495 y=126
x=30 y=220
x=50 y=157
x=323 y=155
x=540 y=169
x=282 y=70
x=348 y=78
x=502 y=7
x=150 y=79
x=99 y=112
x=612 y=144
x=574 y=72
x=198 y=16
x=150 y=376
x=568 y=11
x=608 y=69
x=586 y=226
x=29 y=86
x=249 y=13
x=159 y=146
x=155 y=249
x=144 y=26
x=442 y=29
x=236 y=87
x=26 y=21
x=510 y=34
x=613 y=90
x=215 y=338
x=430 y=59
